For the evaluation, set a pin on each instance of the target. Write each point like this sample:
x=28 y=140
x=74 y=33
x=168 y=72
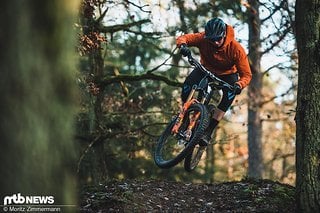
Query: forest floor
x=163 y=196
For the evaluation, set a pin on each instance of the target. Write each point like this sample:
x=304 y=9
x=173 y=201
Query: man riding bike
x=221 y=54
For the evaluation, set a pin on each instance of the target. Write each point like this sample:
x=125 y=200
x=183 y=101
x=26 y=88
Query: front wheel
x=171 y=149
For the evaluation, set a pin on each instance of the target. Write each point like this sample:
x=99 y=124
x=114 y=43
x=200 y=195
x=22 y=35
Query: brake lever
x=193 y=62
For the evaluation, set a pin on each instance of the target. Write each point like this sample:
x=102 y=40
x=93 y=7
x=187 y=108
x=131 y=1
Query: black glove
x=236 y=89
x=184 y=50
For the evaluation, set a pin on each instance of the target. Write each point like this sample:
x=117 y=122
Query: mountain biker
x=221 y=54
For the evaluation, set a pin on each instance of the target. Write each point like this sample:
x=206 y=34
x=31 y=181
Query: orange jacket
x=227 y=59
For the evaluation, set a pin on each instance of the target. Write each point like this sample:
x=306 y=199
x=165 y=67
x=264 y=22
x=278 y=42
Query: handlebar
x=199 y=66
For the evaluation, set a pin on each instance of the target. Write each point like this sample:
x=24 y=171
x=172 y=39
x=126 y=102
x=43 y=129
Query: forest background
x=127 y=85
x=130 y=73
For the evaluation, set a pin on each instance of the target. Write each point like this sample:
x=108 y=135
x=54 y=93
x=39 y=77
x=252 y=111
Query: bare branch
x=281 y=38
x=102 y=15
x=277 y=96
x=121 y=27
x=140 y=7
x=149 y=75
x=271 y=68
x=145 y=76
x=275 y=8
x=164 y=62
x=146 y=34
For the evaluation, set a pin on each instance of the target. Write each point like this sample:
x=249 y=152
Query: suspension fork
x=192 y=124
x=185 y=107
x=193 y=120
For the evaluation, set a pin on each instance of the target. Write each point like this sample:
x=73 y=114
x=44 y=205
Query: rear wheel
x=171 y=149
x=193 y=157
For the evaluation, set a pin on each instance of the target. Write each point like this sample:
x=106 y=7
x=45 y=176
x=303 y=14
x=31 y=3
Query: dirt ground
x=164 y=196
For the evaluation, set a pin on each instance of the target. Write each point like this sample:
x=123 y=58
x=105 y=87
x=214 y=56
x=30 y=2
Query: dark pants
x=195 y=77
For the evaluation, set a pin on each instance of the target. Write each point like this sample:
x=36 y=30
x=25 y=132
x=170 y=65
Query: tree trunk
x=37 y=64
x=254 y=91
x=308 y=106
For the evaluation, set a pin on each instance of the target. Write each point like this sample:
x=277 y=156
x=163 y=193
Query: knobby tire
x=164 y=143
x=193 y=158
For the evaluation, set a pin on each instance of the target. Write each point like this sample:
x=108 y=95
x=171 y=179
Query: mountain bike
x=181 y=139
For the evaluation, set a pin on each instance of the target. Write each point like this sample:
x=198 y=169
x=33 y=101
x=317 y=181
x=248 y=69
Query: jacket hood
x=229 y=36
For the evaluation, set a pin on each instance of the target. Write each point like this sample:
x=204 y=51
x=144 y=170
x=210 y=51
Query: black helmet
x=215 y=29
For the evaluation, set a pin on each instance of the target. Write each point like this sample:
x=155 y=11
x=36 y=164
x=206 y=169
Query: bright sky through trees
x=163 y=14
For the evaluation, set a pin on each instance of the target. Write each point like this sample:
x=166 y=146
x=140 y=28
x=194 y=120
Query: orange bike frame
x=185 y=107
x=183 y=111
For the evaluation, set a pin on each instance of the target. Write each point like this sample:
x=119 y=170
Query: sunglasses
x=217 y=38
